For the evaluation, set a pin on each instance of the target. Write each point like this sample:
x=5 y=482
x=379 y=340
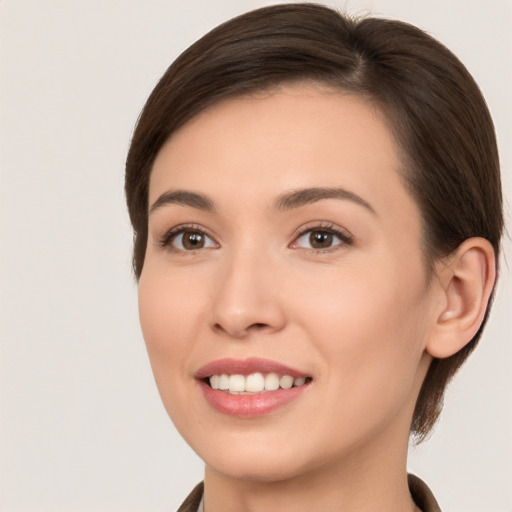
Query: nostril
x=243 y=331
x=239 y=326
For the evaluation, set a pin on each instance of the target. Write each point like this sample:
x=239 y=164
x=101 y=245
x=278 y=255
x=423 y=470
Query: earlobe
x=467 y=280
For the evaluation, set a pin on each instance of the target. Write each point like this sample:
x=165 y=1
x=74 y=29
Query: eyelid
x=343 y=234
x=165 y=239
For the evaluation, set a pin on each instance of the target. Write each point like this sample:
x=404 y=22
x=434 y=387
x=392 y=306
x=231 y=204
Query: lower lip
x=250 y=406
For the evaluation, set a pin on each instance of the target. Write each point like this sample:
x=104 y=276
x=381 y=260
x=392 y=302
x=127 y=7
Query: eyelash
x=170 y=235
x=323 y=227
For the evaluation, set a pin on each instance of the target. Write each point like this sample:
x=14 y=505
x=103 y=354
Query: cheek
x=351 y=302
x=154 y=301
x=169 y=322
x=169 y=306
x=167 y=318
x=369 y=328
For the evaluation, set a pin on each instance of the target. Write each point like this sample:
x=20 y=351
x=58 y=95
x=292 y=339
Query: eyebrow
x=306 y=196
x=287 y=201
x=183 y=198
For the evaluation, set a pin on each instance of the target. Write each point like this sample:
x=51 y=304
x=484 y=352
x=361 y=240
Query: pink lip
x=246 y=367
x=248 y=406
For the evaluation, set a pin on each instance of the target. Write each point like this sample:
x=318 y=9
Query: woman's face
x=284 y=250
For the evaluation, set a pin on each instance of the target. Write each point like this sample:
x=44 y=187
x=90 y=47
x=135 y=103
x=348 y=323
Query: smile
x=251 y=387
x=254 y=383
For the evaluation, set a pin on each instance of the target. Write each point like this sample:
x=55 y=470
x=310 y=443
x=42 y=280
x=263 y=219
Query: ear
x=467 y=279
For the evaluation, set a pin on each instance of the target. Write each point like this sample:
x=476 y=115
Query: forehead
x=296 y=136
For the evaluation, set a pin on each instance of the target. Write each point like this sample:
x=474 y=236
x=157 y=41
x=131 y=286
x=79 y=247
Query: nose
x=247 y=297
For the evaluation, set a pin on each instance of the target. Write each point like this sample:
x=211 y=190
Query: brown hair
x=433 y=106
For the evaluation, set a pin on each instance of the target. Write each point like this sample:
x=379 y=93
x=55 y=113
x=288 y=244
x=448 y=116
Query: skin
x=356 y=316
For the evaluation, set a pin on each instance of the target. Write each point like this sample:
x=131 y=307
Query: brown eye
x=190 y=240
x=320 y=239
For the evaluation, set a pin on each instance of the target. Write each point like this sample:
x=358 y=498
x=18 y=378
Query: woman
x=317 y=212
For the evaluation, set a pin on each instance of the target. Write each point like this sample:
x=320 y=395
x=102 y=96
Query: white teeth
x=254 y=383
x=214 y=381
x=271 y=382
x=286 y=382
x=236 y=383
x=223 y=382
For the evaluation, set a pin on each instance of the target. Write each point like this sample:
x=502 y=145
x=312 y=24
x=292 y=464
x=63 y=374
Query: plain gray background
x=82 y=427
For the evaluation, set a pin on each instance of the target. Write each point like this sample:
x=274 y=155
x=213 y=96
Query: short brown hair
x=433 y=106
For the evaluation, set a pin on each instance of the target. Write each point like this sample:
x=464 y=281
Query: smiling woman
x=317 y=212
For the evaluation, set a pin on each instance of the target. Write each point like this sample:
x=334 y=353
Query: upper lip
x=246 y=367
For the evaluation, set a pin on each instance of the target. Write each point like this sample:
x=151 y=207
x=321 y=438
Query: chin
x=255 y=467
x=256 y=458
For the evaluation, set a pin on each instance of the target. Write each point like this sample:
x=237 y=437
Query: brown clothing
x=420 y=493
x=193 y=499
